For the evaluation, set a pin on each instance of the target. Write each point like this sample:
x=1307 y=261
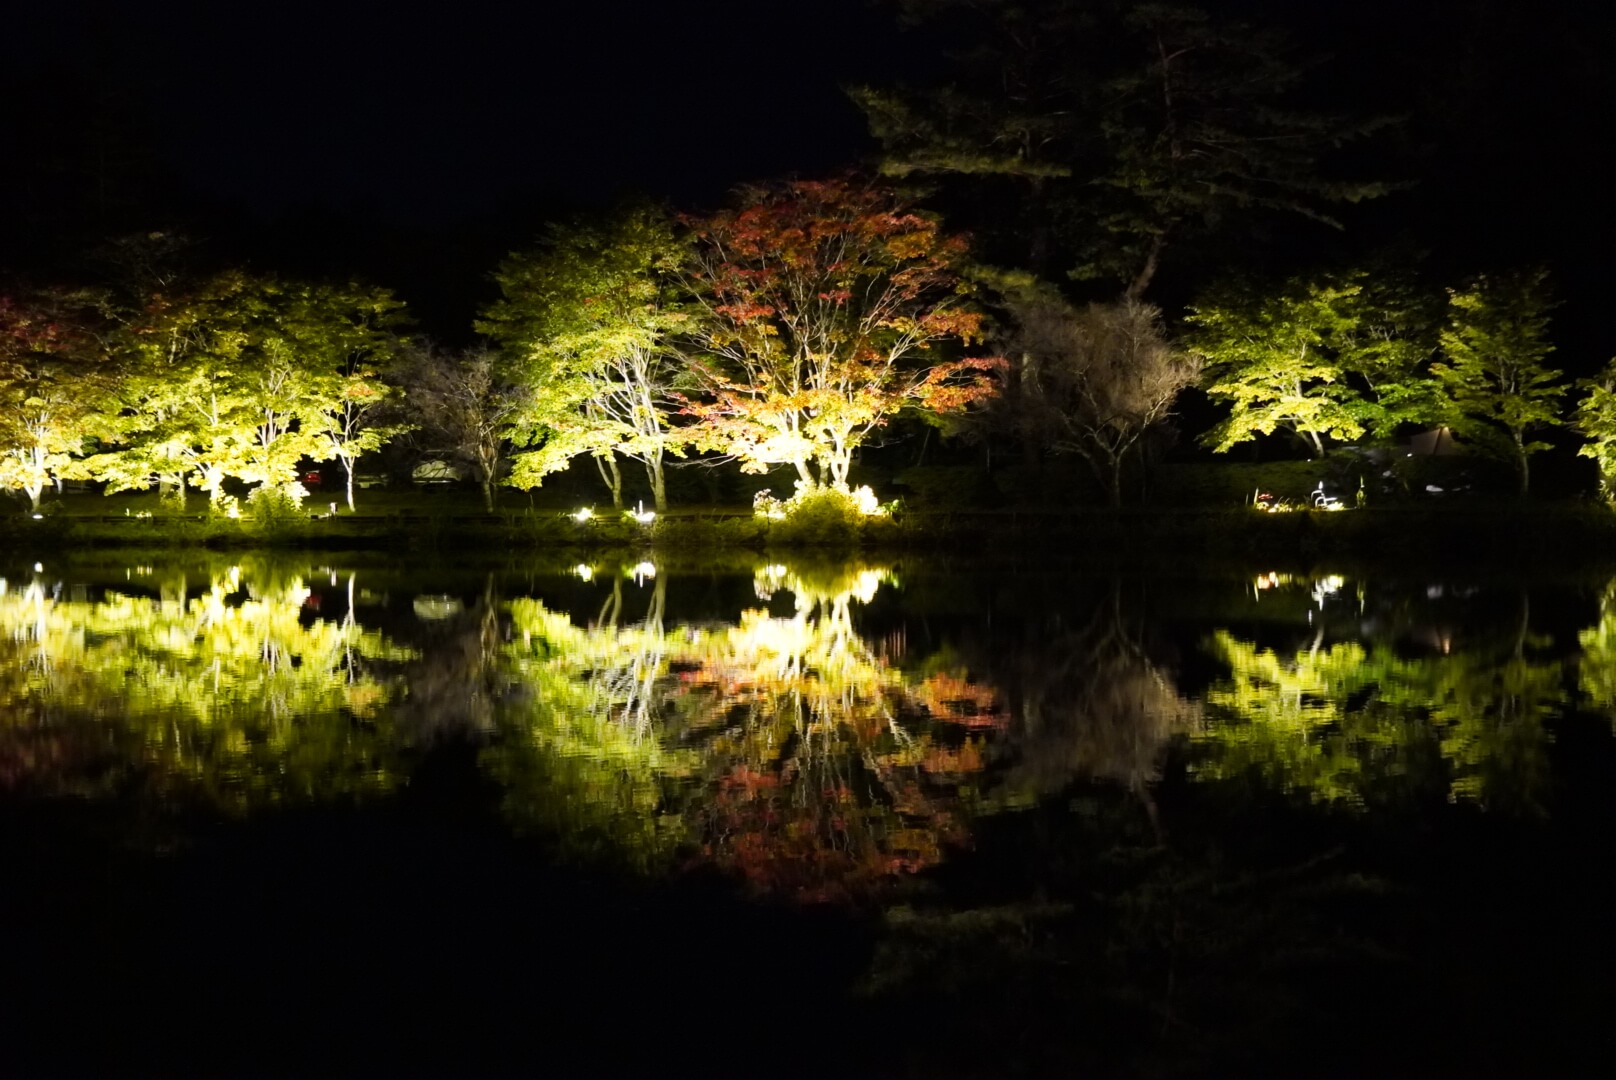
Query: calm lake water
x=267 y=813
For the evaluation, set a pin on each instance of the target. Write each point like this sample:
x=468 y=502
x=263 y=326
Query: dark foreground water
x=271 y=817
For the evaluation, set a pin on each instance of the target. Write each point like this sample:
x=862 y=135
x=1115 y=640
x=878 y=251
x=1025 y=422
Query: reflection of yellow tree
x=231 y=688
x=780 y=746
x=1337 y=720
x=1596 y=669
x=582 y=758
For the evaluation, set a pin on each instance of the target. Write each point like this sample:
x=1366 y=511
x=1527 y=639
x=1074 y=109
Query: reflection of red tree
x=841 y=823
x=818 y=845
x=958 y=700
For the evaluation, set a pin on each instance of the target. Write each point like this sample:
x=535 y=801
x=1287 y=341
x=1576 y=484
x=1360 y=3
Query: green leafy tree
x=1332 y=357
x=1500 y=389
x=342 y=338
x=179 y=416
x=245 y=376
x=1595 y=421
x=588 y=321
x=55 y=389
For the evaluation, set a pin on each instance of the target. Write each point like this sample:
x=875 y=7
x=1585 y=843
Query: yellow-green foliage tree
x=1495 y=347
x=1330 y=357
x=1595 y=421
x=588 y=321
x=55 y=389
x=244 y=376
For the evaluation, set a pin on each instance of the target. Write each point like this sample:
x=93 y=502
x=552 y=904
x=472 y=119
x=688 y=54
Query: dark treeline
x=1109 y=232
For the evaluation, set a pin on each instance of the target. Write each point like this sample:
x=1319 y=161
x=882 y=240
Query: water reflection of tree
x=229 y=690
x=1088 y=699
x=1359 y=723
x=454 y=684
x=779 y=747
x=1596 y=668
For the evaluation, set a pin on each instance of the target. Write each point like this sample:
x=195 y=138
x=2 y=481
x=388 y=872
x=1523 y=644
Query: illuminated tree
x=826 y=304
x=588 y=319
x=55 y=386
x=1499 y=387
x=1595 y=421
x=1093 y=381
x=244 y=377
x=1333 y=357
x=343 y=338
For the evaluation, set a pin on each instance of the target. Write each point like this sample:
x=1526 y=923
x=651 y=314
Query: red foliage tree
x=827 y=304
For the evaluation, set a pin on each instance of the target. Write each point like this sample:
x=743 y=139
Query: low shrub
x=711 y=532
x=819 y=516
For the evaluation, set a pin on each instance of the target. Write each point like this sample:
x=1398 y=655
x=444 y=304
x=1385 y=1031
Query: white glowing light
x=866 y=501
x=641 y=514
x=583 y=514
x=641 y=571
x=1325 y=587
x=39 y=517
x=584 y=573
x=39 y=568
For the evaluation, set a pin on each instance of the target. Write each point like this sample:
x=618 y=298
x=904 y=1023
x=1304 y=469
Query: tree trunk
x=1016 y=392
x=1141 y=281
x=171 y=492
x=1525 y=469
x=348 y=467
x=613 y=476
x=488 y=493
x=659 y=489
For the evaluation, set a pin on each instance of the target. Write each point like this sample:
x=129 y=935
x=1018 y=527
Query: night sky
x=443 y=112
x=415 y=145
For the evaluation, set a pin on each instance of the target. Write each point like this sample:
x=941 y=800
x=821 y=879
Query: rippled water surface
x=1124 y=796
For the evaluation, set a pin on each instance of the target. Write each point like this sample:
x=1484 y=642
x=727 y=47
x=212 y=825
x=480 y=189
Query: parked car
x=437 y=472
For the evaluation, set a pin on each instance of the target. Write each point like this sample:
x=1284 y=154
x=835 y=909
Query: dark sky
x=415 y=144
x=435 y=112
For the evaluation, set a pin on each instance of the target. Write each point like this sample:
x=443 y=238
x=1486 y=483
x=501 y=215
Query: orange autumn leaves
x=830 y=306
